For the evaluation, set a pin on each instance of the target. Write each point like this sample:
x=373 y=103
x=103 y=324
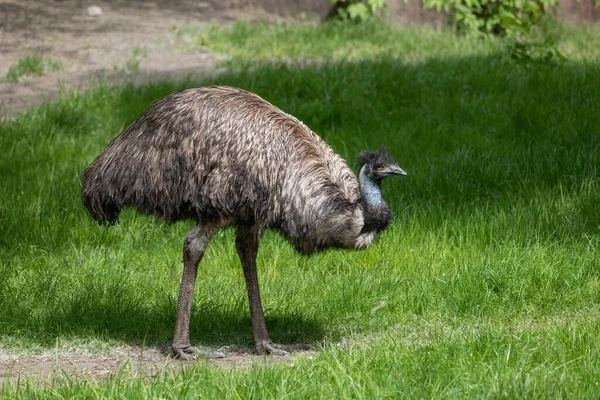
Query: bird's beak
x=396 y=170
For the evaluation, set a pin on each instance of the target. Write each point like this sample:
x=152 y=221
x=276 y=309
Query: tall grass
x=486 y=285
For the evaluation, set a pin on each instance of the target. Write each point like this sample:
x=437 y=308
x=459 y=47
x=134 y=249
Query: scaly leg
x=196 y=242
x=246 y=244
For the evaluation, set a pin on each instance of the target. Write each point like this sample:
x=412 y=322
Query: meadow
x=486 y=285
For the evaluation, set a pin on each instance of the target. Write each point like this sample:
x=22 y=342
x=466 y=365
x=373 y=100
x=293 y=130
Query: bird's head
x=377 y=165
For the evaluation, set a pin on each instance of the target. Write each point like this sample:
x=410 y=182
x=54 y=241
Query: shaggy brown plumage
x=223 y=156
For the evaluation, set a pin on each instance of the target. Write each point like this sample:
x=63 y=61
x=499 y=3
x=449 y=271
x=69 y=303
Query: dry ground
x=64 y=365
x=99 y=47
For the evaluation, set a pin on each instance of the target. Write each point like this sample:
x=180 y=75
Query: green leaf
x=532 y=7
x=513 y=23
x=509 y=20
x=358 y=11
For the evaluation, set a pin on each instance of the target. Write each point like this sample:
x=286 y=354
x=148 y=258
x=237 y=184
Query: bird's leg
x=196 y=242
x=246 y=243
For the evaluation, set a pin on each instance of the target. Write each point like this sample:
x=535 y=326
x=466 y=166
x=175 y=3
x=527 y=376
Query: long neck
x=370 y=189
x=376 y=212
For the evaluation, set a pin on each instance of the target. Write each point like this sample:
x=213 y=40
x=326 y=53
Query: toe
x=292 y=347
x=279 y=349
x=185 y=353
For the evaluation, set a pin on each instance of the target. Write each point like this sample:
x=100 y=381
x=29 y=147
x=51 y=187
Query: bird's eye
x=379 y=168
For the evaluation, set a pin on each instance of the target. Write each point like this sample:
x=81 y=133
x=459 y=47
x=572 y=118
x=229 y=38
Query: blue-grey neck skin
x=370 y=188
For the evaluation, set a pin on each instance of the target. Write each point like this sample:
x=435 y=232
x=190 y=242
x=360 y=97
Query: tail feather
x=97 y=202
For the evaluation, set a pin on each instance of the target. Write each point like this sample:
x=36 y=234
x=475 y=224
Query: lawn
x=486 y=285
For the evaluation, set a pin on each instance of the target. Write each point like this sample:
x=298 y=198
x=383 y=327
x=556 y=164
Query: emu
x=222 y=156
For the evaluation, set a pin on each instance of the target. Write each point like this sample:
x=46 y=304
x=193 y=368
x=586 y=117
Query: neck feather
x=376 y=213
x=370 y=188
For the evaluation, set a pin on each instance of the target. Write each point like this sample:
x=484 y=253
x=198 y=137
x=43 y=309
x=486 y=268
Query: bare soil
x=62 y=366
x=92 y=47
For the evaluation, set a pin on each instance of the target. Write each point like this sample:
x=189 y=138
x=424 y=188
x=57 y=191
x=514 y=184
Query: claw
x=275 y=349
x=191 y=353
x=188 y=353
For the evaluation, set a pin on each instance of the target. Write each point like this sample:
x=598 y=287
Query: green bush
x=497 y=17
x=521 y=22
x=359 y=10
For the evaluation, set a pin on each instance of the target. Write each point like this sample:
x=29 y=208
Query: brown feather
x=220 y=154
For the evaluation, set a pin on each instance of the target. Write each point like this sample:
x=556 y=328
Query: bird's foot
x=189 y=353
x=185 y=352
x=275 y=349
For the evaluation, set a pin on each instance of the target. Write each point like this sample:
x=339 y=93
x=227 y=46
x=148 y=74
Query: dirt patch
x=49 y=367
x=104 y=45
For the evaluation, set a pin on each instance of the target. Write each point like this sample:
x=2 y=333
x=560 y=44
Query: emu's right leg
x=246 y=243
x=196 y=242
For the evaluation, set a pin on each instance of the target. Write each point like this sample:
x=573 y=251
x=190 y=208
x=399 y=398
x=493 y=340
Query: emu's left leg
x=196 y=242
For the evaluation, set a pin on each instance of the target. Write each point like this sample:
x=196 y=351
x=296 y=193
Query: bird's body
x=223 y=156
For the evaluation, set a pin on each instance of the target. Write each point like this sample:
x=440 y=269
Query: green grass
x=349 y=42
x=31 y=65
x=486 y=285
x=332 y=41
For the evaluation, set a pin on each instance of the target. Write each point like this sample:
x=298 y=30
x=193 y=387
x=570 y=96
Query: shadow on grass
x=127 y=319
